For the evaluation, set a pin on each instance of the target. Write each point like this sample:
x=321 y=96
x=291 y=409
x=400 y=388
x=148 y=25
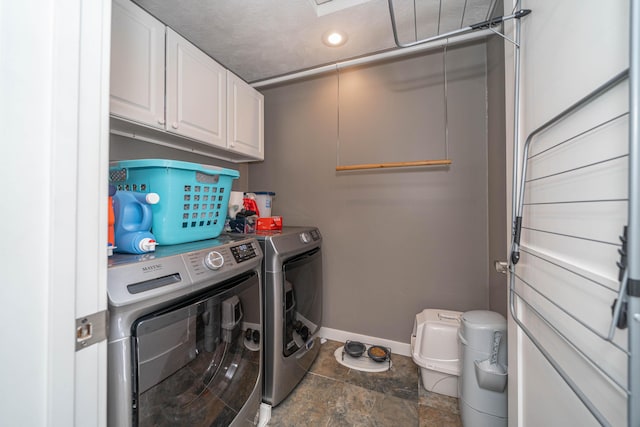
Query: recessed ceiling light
x=334 y=38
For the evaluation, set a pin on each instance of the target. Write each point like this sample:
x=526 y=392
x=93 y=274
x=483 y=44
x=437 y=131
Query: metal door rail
x=519 y=204
x=556 y=366
x=565 y=337
x=614 y=81
x=571 y=315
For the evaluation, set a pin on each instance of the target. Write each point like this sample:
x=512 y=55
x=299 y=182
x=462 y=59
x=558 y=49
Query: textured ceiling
x=259 y=39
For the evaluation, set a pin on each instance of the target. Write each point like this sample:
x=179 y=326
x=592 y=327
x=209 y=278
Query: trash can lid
x=483 y=319
x=478 y=329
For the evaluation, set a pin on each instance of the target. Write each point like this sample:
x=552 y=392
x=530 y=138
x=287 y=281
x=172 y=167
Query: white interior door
x=54 y=103
x=91 y=207
x=575 y=206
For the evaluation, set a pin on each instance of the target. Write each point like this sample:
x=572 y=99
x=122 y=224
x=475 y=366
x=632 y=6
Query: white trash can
x=483 y=391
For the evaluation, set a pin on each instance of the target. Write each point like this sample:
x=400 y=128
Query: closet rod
x=437 y=43
x=443 y=162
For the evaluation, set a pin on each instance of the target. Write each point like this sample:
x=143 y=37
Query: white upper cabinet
x=196 y=93
x=165 y=90
x=245 y=118
x=137 y=65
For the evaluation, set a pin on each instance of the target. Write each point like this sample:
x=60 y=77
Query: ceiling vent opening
x=326 y=7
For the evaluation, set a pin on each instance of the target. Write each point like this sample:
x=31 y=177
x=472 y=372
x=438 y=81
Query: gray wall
x=497 y=173
x=123 y=148
x=396 y=241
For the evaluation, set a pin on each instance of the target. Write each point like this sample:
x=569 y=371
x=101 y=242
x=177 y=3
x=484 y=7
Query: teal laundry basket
x=193 y=197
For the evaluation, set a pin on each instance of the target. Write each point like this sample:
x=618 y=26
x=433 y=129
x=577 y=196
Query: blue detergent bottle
x=133 y=218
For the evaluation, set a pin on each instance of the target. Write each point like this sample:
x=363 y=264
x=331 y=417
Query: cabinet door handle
x=174 y=125
x=161 y=121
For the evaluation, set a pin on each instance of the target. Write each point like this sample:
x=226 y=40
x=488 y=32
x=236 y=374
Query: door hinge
x=501 y=266
x=91 y=329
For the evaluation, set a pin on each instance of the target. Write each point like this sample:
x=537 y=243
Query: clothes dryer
x=292 y=276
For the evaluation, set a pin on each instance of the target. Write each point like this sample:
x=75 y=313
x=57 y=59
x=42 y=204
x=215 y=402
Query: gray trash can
x=482 y=387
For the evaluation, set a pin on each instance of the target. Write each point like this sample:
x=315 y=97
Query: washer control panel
x=243 y=252
x=182 y=267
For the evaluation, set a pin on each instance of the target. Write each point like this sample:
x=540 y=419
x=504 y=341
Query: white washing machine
x=185 y=337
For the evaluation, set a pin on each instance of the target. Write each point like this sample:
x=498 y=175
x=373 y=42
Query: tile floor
x=334 y=395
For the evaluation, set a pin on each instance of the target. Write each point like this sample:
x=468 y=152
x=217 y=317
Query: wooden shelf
x=442 y=162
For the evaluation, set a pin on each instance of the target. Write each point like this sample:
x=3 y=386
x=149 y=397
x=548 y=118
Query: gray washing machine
x=292 y=277
x=185 y=337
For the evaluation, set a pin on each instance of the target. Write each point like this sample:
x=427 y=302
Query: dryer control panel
x=309 y=236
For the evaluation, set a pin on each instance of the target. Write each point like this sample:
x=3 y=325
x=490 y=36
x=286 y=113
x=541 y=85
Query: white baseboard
x=401 y=348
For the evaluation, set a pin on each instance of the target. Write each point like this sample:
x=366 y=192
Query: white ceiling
x=260 y=39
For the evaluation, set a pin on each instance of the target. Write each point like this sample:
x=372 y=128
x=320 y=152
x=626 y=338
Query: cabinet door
x=137 y=65
x=245 y=118
x=196 y=93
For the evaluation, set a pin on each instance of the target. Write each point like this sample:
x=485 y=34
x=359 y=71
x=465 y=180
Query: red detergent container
x=111 y=238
